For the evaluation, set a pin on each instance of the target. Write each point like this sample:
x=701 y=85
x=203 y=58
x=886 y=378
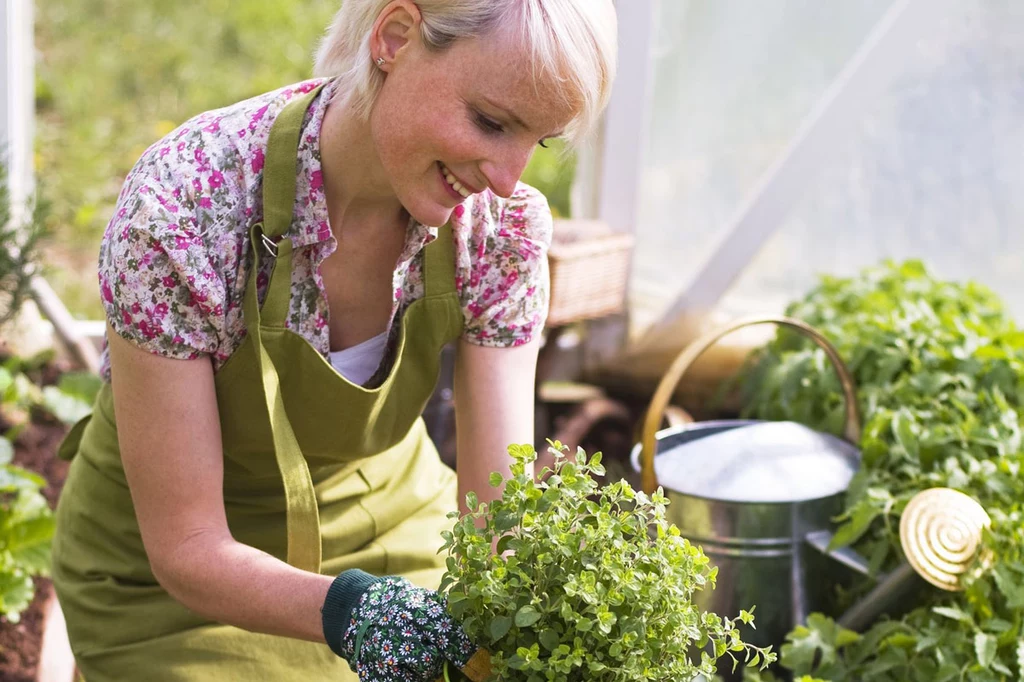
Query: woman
x=255 y=476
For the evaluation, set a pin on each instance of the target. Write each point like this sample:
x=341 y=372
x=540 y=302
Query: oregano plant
x=561 y=579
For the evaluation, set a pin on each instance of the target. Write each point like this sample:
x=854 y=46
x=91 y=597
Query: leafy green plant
x=26 y=528
x=586 y=583
x=939 y=368
x=26 y=522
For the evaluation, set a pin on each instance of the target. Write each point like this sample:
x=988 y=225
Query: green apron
x=318 y=471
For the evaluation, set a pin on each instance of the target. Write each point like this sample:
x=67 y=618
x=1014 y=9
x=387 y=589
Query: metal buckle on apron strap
x=269 y=244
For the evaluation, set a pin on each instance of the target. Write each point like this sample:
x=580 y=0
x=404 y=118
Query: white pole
x=607 y=186
x=17 y=97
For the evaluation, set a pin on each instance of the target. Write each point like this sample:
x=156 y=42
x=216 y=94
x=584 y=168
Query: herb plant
x=20 y=243
x=586 y=583
x=940 y=374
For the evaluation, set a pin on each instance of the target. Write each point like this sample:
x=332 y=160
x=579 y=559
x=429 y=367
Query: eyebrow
x=511 y=114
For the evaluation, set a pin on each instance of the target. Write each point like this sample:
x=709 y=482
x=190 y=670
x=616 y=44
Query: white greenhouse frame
x=612 y=193
x=17 y=98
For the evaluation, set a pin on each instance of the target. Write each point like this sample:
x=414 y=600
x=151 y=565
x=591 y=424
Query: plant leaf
x=985 y=647
x=500 y=627
x=527 y=616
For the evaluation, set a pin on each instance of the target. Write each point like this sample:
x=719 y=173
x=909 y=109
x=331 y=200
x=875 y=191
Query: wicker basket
x=589 y=270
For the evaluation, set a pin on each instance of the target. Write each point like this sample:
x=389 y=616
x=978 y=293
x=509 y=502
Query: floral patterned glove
x=398 y=632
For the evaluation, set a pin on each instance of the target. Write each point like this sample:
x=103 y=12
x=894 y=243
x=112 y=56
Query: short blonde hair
x=573 y=43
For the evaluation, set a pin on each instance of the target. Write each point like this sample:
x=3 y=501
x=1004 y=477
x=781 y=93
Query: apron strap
x=439 y=264
x=281 y=168
x=302 y=514
x=279 y=182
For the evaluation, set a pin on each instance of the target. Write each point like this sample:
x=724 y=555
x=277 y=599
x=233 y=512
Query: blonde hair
x=572 y=44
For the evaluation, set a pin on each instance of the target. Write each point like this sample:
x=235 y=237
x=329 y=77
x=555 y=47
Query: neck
x=356 y=188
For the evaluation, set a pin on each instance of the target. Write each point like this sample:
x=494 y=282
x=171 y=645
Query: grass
x=113 y=76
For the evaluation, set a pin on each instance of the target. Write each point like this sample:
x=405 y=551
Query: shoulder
x=488 y=221
x=167 y=256
x=502 y=275
x=203 y=177
x=221 y=147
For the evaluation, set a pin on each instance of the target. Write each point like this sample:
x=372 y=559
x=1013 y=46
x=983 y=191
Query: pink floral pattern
x=174 y=259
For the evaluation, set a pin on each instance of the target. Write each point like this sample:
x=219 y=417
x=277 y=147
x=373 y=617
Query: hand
x=398 y=631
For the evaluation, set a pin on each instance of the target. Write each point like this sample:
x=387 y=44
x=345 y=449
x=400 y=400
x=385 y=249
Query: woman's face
x=450 y=124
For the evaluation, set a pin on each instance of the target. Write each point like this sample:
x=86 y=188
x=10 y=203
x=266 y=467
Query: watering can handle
x=668 y=384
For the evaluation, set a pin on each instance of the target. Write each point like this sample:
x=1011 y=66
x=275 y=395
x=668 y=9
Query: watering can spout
x=940 y=533
x=821 y=540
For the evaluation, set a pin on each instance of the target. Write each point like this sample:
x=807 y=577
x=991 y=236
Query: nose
x=504 y=170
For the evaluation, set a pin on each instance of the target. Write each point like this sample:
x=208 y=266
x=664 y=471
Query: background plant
x=26 y=522
x=21 y=238
x=940 y=374
x=587 y=583
x=26 y=527
x=113 y=76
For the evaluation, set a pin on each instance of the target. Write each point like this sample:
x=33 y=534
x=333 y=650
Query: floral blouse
x=174 y=260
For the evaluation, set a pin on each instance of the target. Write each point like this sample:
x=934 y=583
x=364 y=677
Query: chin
x=430 y=214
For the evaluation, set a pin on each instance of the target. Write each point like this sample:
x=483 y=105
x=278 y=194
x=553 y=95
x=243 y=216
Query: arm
x=494 y=405
x=171 y=449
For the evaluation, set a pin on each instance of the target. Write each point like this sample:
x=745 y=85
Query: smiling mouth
x=453 y=182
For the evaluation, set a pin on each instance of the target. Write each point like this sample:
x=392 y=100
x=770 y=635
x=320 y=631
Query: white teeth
x=455 y=184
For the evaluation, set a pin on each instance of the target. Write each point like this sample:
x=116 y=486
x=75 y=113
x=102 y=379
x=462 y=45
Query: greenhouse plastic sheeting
x=930 y=173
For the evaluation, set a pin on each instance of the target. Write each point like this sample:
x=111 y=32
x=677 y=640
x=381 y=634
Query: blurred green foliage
x=113 y=76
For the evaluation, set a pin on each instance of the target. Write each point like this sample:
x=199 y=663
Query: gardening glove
x=389 y=630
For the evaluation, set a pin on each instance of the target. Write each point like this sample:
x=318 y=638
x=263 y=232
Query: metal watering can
x=759 y=498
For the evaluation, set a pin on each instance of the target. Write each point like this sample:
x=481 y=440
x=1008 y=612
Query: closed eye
x=488 y=125
x=492 y=127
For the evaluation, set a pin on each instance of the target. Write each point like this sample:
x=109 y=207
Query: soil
x=35 y=450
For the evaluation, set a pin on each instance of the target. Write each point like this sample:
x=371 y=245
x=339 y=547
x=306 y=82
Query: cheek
x=393 y=135
x=411 y=132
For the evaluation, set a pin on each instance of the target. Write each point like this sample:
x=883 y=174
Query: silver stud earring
x=380 y=61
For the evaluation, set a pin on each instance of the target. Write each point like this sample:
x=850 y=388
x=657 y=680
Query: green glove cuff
x=342 y=598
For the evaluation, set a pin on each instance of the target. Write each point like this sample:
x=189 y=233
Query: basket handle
x=668 y=384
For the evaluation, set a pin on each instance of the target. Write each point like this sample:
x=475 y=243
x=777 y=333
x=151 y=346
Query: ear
x=397 y=28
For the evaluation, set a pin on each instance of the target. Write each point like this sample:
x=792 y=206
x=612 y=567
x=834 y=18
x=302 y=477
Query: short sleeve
x=506 y=300
x=157 y=281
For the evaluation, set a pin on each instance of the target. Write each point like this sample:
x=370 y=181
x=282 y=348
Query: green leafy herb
x=587 y=583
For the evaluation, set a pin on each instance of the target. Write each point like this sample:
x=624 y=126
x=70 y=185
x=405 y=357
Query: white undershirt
x=358 y=363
